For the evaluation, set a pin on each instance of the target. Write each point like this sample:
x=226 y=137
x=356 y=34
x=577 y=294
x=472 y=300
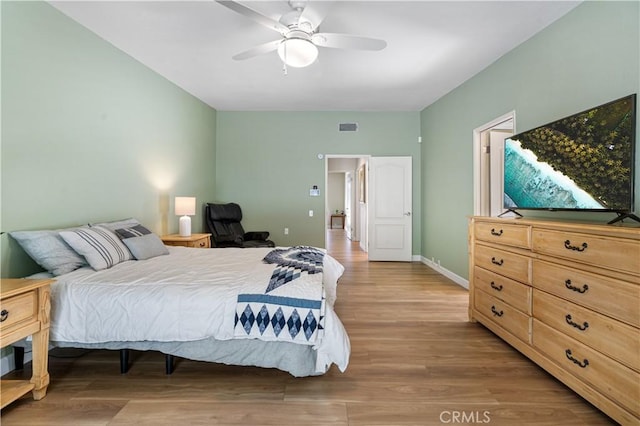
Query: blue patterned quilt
x=293 y=303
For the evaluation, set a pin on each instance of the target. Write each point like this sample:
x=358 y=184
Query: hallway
x=342 y=248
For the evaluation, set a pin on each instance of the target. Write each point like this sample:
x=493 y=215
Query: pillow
x=142 y=243
x=49 y=250
x=117 y=224
x=40 y=276
x=100 y=246
x=132 y=231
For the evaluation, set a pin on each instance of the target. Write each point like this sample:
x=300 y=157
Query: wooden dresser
x=566 y=295
x=24 y=311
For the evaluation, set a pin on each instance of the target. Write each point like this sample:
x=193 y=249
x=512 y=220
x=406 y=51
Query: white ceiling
x=433 y=47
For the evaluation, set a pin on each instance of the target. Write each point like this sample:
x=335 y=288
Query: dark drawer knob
x=568 y=246
x=496 y=312
x=570 y=286
x=496 y=287
x=570 y=321
x=497 y=262
x=496 y=233
x=4 y=315
x=581 y=364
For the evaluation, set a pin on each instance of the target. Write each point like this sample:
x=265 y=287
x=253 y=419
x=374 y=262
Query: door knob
x=407 y=214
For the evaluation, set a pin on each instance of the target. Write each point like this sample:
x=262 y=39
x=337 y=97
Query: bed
x=262 y=307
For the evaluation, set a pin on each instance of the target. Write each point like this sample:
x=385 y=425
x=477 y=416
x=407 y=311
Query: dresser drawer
x=608 y=252
x=611 y=337
x=505 y=263
x=608 y=296
x=503 y=314
x=17 y=310
x=613 y=379
x=193 y=240
x=201 y=243
x=515 y=294
x=511 y=235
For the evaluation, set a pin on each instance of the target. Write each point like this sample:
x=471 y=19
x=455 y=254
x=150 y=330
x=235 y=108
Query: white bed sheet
x=188 y=295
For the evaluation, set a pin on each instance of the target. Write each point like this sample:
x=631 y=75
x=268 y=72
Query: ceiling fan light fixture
x=297 y=52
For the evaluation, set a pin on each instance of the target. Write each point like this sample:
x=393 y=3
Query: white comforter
x=188 y=295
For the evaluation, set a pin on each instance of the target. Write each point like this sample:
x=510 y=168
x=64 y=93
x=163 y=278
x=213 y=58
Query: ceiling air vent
x=348 y=127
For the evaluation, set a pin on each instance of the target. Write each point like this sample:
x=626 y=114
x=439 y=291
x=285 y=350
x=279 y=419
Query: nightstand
x=24 y=311
x=194 y=240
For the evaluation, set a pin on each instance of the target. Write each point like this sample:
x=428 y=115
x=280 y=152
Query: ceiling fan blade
x=256 y=16
x=315 y=12
x=345 y=41
x=258 y=50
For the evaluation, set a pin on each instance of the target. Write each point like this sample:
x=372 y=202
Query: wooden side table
x=340 y=218
x=25 y=305
x=194 y=240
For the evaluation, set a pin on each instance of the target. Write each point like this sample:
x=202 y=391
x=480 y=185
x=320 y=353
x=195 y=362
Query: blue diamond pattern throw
x=292 y=262
x=292 y=306
x=270 y=316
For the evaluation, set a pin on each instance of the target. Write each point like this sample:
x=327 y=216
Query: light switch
x=310 y=213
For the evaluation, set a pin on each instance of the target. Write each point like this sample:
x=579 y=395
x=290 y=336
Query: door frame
x=477 y=156
x=350 y=204
x=365 y=225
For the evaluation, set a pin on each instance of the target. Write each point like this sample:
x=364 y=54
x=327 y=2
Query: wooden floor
x=415 y=360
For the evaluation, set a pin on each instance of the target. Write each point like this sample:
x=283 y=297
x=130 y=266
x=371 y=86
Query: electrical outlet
x=310 y=213
x=286 y=231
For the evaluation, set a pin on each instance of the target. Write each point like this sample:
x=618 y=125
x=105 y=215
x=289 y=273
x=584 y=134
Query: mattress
x=186 y=304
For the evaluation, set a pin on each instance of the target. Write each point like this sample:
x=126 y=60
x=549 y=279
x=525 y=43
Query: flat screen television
x=581 y=162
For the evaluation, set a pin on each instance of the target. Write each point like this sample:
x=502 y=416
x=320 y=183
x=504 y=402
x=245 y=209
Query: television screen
x=581 y=162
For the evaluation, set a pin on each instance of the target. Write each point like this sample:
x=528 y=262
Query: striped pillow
x=132 y=232
x=100 y=246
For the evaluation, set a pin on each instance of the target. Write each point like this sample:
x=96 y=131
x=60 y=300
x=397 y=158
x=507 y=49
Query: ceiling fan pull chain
x=284 y=63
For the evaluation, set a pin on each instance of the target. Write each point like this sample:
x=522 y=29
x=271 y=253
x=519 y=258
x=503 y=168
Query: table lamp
x=185 y=207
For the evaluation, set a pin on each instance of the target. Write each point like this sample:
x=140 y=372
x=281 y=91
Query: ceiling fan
x=300 y=39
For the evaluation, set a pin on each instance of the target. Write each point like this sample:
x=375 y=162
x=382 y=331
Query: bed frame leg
x=168 y=363
x=18 y=357
x=124 y=361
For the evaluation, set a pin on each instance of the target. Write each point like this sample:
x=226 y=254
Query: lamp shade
x=297 y=52
x=185 y=206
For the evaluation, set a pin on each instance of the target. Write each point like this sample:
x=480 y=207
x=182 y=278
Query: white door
x=390 y=204
x=348 y=204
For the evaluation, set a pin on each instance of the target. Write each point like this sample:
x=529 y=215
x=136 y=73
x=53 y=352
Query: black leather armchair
x=223 y=222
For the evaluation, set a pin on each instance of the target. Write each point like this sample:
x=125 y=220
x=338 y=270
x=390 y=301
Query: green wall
x=90 y=134
x=588 y=57
x=268 y=161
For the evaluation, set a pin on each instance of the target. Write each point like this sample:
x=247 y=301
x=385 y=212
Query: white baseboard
x=8 y=364
x=462 y=282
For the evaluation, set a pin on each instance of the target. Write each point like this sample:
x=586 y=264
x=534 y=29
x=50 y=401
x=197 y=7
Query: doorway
x=343 y=196
x=377 y=203
x=488 y=157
